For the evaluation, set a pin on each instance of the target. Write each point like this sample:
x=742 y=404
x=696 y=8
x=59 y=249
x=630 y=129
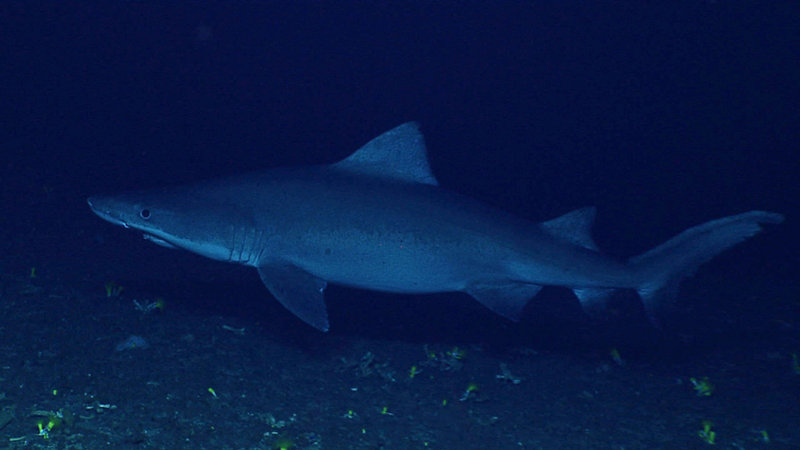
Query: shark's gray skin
x=378 y=220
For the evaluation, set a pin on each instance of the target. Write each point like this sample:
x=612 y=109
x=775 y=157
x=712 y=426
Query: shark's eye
x=144 y=214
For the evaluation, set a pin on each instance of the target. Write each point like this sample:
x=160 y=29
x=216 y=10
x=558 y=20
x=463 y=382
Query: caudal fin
x=662 y=268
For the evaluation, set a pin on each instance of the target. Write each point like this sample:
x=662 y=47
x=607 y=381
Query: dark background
x=662 y=115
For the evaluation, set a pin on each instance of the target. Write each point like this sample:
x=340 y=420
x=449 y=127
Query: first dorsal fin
x=575 y=227
x=398 y=153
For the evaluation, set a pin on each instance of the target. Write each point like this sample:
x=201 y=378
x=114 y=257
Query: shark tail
x=662 y=268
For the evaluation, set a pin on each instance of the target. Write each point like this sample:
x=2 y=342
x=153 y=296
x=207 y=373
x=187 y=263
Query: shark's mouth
x=158 y=241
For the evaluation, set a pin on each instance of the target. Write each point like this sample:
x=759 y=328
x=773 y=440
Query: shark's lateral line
x=378 y=220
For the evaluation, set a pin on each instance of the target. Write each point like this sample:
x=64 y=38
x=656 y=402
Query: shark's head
x=176 y=219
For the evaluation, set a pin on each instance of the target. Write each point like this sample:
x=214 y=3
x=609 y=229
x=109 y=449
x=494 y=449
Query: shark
x=378 y=220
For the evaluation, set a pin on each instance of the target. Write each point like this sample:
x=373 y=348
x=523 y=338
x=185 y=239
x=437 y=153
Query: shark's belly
x=402 y=265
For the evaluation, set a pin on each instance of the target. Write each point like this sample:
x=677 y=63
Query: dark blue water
x=662 y=116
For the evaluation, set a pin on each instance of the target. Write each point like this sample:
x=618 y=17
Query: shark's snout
x=103 y=209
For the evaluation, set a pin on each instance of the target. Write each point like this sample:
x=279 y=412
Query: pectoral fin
x=298 y=291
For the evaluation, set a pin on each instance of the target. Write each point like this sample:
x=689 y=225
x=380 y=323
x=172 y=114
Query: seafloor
x=222 y=366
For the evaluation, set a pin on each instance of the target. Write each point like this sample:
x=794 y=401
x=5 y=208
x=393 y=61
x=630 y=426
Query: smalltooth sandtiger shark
x=378 y=220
